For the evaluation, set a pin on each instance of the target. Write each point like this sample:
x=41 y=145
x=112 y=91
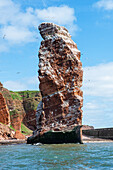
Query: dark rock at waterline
x=57 y=137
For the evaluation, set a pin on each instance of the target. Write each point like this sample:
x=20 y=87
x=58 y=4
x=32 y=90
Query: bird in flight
x=18 y=73
x=4 y=36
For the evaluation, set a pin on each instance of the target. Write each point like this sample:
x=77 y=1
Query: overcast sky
x=90 y=23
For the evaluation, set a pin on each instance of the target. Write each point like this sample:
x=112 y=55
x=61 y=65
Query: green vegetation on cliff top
x=15 y=95
x=23 y=94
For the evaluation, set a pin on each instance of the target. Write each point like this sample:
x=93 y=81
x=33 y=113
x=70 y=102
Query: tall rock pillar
x=60 y=75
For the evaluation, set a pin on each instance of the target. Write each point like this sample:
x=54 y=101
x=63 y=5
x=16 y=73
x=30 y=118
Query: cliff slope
x=18 y=109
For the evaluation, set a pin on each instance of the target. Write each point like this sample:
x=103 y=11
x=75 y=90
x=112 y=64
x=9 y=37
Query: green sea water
x=66 y=156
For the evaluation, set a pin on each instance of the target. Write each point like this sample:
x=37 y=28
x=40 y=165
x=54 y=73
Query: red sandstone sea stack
x=60 y=75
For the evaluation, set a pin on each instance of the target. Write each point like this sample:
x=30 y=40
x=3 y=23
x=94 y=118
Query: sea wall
x=105 y=133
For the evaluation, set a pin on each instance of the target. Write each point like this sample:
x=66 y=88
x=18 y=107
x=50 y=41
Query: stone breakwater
x=60 y=75
x=103 y=133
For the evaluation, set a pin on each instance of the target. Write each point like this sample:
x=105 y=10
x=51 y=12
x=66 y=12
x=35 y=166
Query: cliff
x=30 y=101
x=4 y=113
x=15 y=108
x=18 y=109
x=60 y=75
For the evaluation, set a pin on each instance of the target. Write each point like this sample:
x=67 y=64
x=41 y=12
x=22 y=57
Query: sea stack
x=60 y=75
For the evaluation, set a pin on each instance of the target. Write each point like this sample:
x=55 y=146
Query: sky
x=90 y=23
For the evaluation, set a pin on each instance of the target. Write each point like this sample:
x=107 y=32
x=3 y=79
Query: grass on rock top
x=28 y=94
x=15 y=95
x=23 y=94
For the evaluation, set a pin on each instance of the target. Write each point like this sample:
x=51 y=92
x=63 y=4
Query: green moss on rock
x=25 y=130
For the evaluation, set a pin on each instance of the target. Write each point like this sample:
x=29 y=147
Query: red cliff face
x=30 y=107
x=60 y=75
x=14 y=107
x=17 y=114
x=9 y=114
x=4 y=113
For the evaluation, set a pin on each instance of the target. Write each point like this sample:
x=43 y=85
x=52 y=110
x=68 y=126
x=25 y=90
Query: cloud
x=97 y=111
x=98 y=80
x=33 y=80
x=17 y=35
x=17 y=26
x=105 y=4
x=30 y=83
x=98 y=95
x=20 y=26
x=62 y=15
x=91 y=105
x=15 y=85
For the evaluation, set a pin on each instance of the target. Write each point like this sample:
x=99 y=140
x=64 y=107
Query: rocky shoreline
x=91 y=139
x=12 y=141
x=86 y=139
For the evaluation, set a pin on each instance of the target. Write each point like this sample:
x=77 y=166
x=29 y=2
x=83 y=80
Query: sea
x=57 y=157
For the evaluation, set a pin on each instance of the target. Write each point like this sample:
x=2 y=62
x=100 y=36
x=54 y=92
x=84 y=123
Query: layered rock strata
x=22 y=107
x=4 y=113
x=60 y=75
x=14 y=107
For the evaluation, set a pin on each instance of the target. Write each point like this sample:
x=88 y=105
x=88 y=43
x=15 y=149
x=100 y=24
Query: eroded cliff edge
x=17 y=113
x=60 y=75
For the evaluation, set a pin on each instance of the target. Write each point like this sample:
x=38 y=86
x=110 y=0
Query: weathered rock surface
x=19 y=135
x=30 y=106
x=15 y=108
x=22 y=107
x=6 y=132
x=60 y=75
x=19 y=109
x=4 y=113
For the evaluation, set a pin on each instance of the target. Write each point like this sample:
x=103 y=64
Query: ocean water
x=65 y=156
